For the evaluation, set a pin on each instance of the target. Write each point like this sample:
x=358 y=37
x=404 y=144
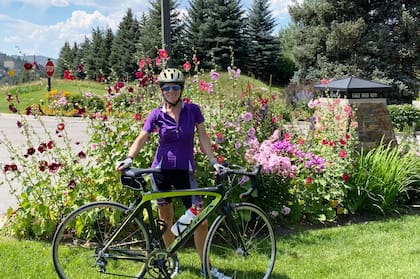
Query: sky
x=41 y=27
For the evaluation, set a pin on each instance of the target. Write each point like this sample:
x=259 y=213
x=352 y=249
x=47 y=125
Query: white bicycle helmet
x=171 y=75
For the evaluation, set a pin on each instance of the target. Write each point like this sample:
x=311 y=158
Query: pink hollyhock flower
x=214 y=75
x=163 y=54
x=186 y=66
x=142 y=63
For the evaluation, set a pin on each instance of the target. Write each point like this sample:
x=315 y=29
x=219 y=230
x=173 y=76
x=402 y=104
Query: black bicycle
x=110 y=238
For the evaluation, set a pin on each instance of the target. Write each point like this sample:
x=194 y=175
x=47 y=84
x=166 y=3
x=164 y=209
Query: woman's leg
x=200 y=235
x=166 y=213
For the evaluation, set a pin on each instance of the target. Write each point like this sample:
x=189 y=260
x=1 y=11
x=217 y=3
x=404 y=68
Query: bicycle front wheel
x=86 y=244
x=240 y=244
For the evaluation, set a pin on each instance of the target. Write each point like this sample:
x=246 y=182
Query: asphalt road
x=76 y=129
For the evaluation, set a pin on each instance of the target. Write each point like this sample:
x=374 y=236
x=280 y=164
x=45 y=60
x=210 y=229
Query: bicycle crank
x=161 y=265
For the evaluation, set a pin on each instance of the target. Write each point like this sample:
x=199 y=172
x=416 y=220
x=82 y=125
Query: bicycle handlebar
x=133 y=177
x=251 y=174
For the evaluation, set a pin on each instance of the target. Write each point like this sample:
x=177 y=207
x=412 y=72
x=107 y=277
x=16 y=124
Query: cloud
x=49 y=39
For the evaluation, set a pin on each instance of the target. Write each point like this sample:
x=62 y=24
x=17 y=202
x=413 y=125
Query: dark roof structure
x=354 y=85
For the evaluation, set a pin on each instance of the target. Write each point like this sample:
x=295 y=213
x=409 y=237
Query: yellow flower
x=11 y=73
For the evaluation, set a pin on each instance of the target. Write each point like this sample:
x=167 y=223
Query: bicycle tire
x=224 y=252
x=84 y=231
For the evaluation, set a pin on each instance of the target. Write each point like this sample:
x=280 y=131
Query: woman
x=176 y=122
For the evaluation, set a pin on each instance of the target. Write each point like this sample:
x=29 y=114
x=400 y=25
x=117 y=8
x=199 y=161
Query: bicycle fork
x=233 y=225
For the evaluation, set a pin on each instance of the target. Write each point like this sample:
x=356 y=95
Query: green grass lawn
x=35 y=92
x=373 y=249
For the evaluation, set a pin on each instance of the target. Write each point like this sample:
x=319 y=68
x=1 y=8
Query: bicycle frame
x=145 y=203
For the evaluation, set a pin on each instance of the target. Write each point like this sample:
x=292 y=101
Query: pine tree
x=215 y=32
x=94 y=58
x=195 y=28
x=65 y=60
x=372 y=39
x=124 y=47
x=106 y=68
x=263 y=49
x=224 y=32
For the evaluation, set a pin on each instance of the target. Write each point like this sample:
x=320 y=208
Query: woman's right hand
x=126 y=163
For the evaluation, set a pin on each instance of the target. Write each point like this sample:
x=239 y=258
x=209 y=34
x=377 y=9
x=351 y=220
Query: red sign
x=49 y=68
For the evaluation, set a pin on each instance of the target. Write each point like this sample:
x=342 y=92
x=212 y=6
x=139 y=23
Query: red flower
x=186 y=100
x=347 y=136
x=163 y=54
x=139 y=75
x=72 y=184
x=12 y=108
x=345 y=177
x=12 y=167
x=28 y=110
x=31 y=151
x=324 y=81
x=42 y=165
x=342 y=142
x=308 y=181
x=301 y=142
x=286 y=136
x=27 y=66
x=342 y=154
x=42 y=147
x=19 y=124
x=137 y=116
x=9 y=97
x=60 y=126
x=81 y=155
x=50 y=144
x=54 y=167
x=187 y=66
x=324 y=142
x=220 y=159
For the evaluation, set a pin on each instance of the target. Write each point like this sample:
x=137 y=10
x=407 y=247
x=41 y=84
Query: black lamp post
x=166 y=28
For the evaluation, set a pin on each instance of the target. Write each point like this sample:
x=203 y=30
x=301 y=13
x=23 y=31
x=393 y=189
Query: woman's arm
x=138 y=144
x=134 y=150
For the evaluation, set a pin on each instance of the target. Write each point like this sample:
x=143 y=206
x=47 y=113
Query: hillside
x=15 y=63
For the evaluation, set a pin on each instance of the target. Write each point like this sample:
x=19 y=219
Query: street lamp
x=166 y=28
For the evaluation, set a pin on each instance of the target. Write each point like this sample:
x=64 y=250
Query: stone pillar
x=374 y=121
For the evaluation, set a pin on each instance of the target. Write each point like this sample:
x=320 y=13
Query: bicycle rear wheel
x=240 y=244
x=78 y=244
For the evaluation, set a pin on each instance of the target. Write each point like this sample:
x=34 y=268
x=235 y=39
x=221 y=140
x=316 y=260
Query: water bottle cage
x=178 y=229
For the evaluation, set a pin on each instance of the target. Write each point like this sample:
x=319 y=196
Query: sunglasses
x=175 y=87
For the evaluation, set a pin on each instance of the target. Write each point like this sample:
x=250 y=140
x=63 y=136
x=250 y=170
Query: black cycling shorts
x=166 y=180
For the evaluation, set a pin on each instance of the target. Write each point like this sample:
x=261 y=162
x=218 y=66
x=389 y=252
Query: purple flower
x=247 y=116
x=214 y=75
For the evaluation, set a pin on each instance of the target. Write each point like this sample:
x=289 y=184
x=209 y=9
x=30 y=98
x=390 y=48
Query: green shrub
x=402 y=115
x=381 y=178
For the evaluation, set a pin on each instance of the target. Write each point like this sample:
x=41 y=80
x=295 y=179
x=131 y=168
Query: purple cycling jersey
x=176 y=140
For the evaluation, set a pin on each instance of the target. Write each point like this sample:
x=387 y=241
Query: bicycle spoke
x=78 y=245
x=244 y=246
